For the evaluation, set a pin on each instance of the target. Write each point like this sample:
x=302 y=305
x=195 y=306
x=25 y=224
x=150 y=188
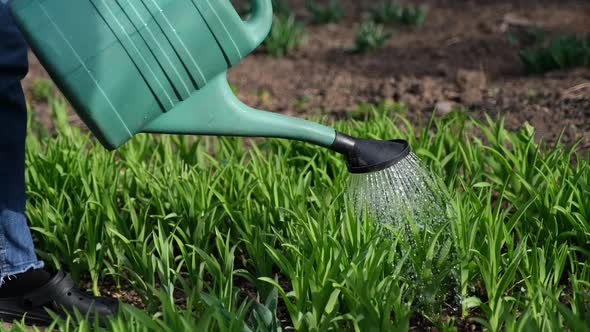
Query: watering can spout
x=368 y=155
x=216 y=111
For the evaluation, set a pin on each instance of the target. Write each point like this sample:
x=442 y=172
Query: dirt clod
x=471 y=83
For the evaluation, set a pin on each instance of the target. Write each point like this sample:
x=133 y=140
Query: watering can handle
x=259 y=23
x=236 y=37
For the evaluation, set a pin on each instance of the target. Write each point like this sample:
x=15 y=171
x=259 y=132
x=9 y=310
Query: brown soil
x=459 y=58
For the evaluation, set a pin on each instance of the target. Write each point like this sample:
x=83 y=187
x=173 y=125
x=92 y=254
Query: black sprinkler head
x=368 y=155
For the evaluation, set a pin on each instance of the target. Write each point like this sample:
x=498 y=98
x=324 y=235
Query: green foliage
x=42 y=89
x=214 y=236
x=234 y=88
x=302 y=103
x=264 y=316
x=550 y=52
x=264 y=96
x=393 y=12
x=370 y=37
x=286 y=34
x=280 y=7
x=331 y=12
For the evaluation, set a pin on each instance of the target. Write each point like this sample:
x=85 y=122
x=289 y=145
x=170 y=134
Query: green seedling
x=331 y=12
x=264 y=96
x=414 y=16
x=234 y=88
x=370 y=36
x=549 y=52
x=280 y=7
x=263 y=317
x=302 y=103
x=42 y=89
x=387 y=12
x=286 y=34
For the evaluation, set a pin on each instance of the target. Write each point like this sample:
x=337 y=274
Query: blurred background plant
x=370 y=36
x=330 y=12
x=541 y=51
x=285 y=35
x=42 y=89
x=387 y=12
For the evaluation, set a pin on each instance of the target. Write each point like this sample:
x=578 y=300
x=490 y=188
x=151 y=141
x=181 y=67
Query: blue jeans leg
x=17 y=252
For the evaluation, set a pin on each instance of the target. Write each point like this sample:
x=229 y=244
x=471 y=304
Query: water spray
x=390 y=184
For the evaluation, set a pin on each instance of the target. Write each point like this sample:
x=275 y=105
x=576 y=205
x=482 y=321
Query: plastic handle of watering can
x=259 y=23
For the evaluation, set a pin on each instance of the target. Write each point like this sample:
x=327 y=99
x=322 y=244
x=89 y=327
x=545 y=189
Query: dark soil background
x=460 y=57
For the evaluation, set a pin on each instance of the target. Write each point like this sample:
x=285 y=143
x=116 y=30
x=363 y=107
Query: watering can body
x=130 y=66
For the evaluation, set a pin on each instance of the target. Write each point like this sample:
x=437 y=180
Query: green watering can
x=159 y=66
